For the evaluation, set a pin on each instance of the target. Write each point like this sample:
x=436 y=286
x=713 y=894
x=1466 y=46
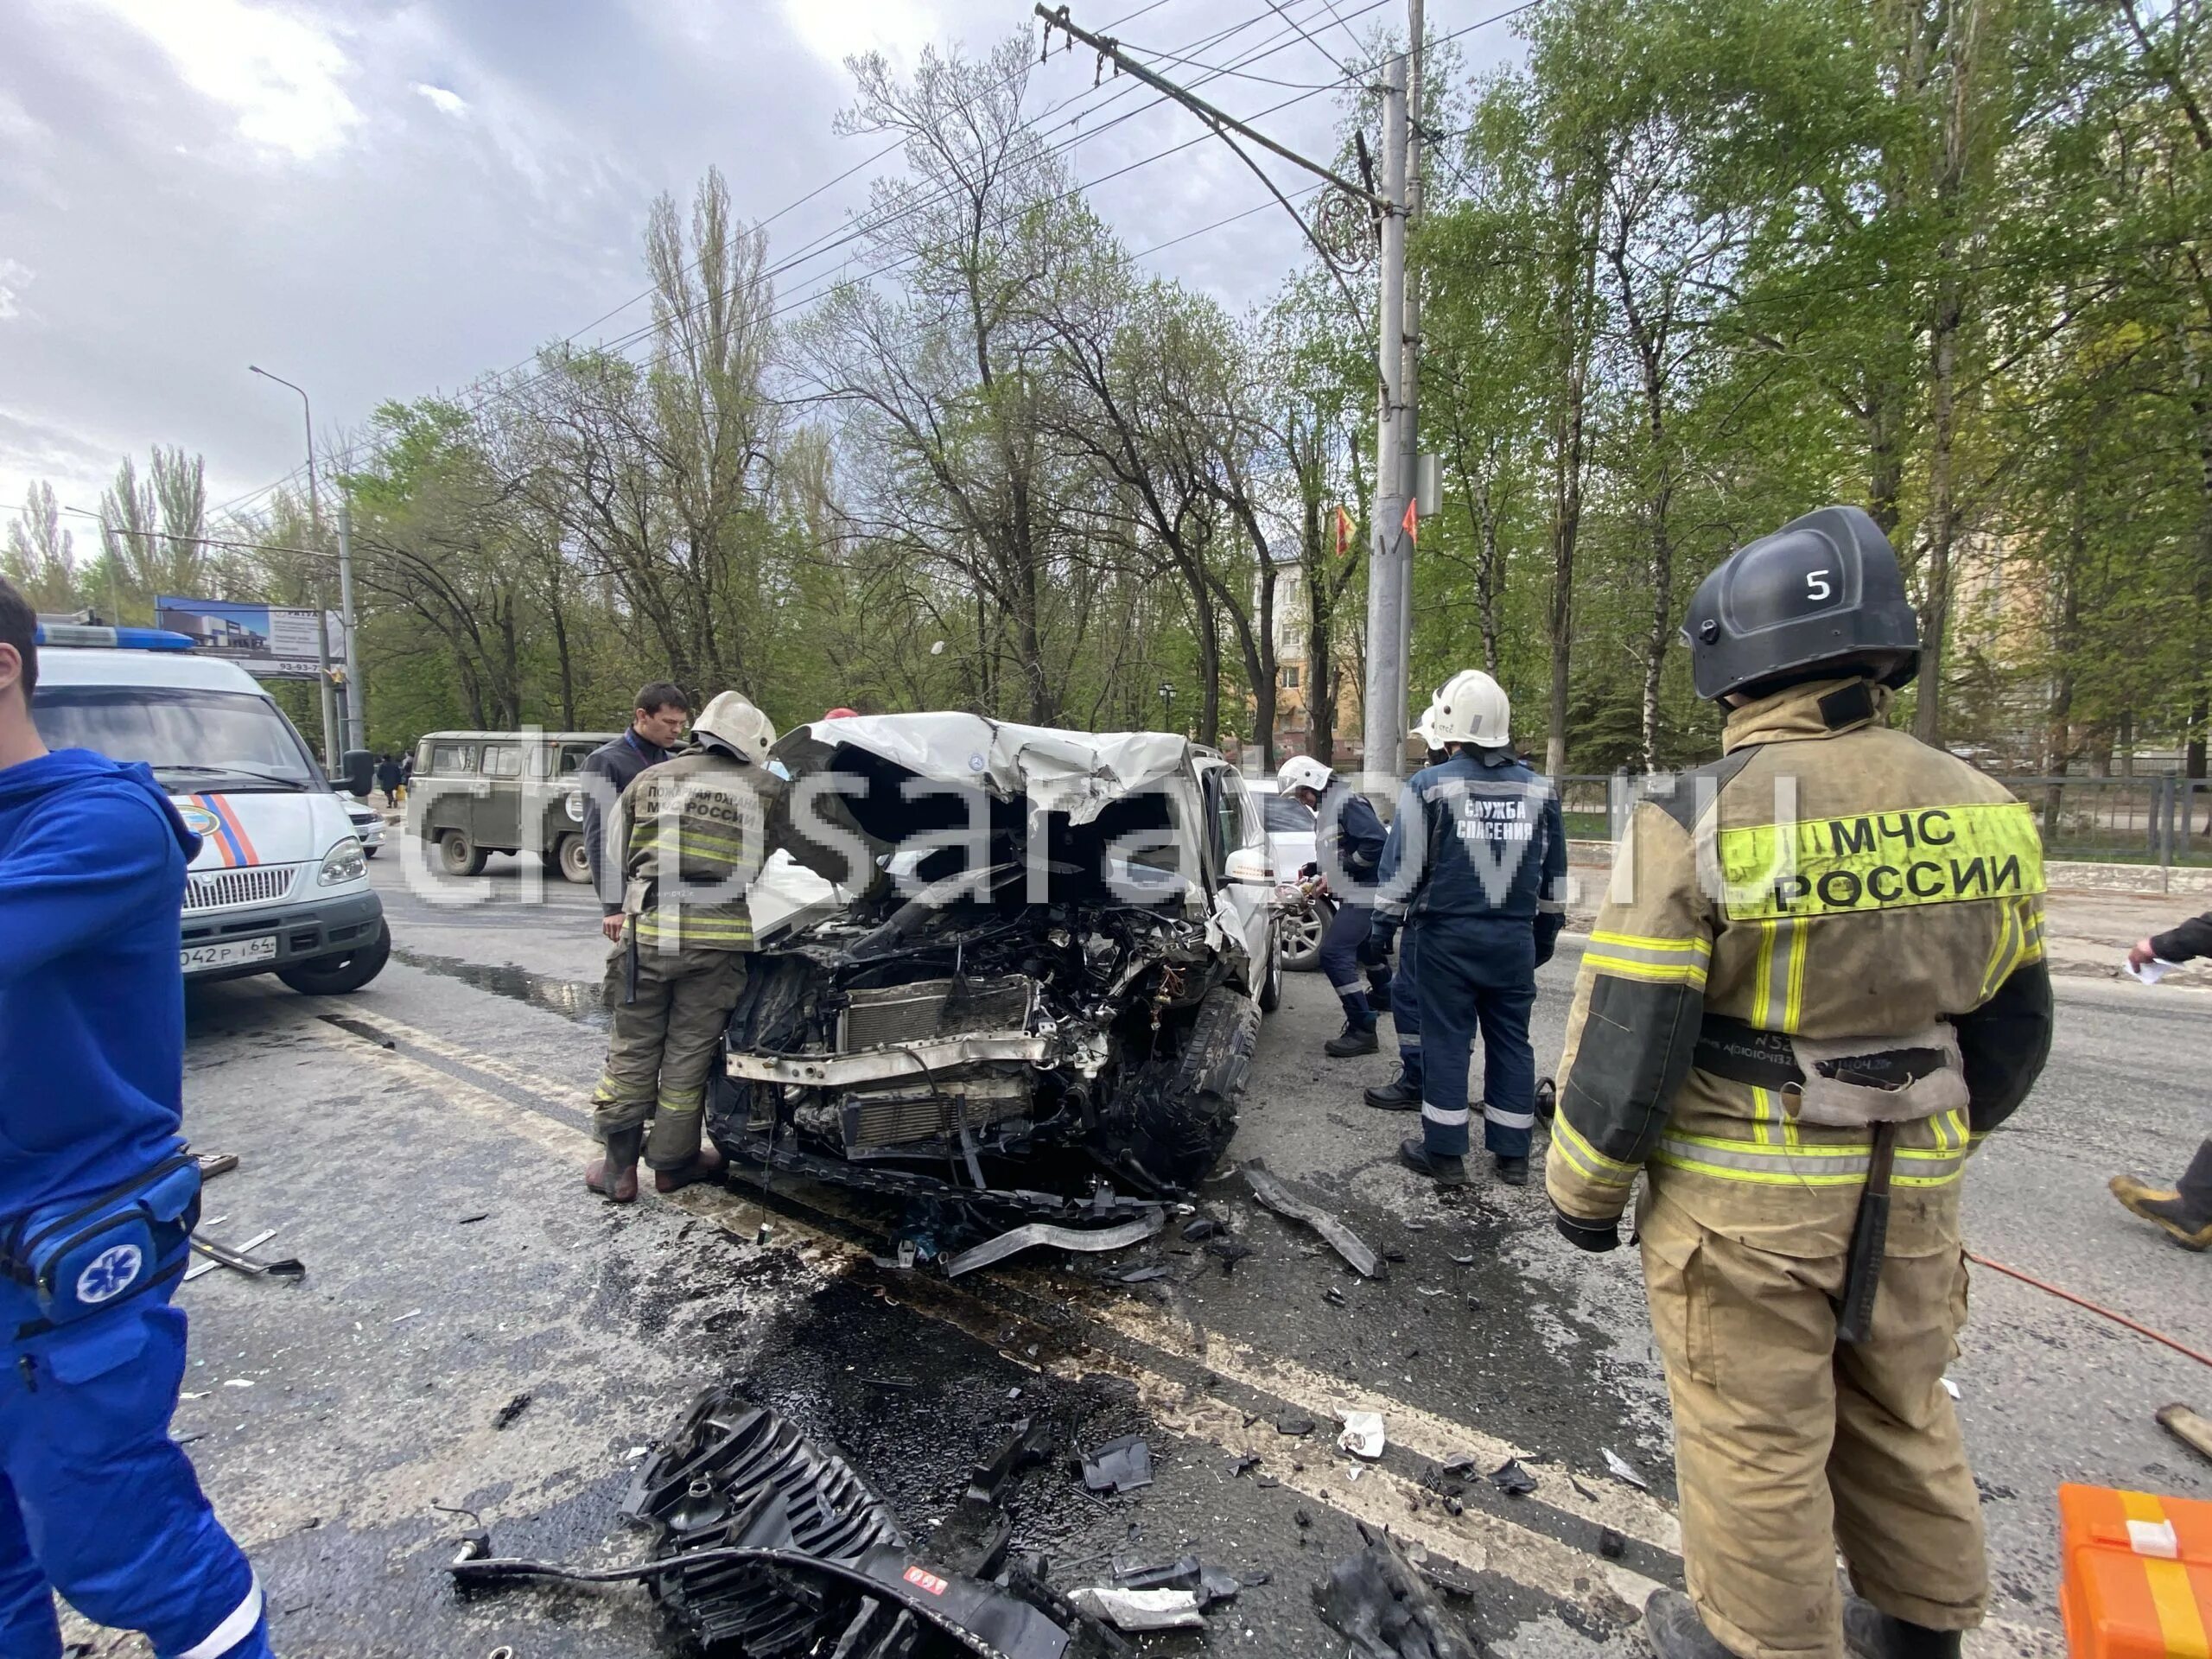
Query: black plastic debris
x=1244 y=1465
x=1467 y=1260
x=1198 y=1231
x=1229 y=1251
x=766 y=1546
x=1297 y=1427
x=1334 y=1297
x=1122 y=1465
x=1274 y=1195
x=1395 y=1256
x=1143 y=1276
x=1211 y=1584
x=1512 y=1479
x=512 y=1409
x=1379 y=1602
x=1611 y=1544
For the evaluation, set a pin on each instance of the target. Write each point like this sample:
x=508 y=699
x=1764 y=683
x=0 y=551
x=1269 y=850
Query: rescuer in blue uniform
x=1403 y=1092
x=98 y=1197
x=1476 y=856
x=1349 y=838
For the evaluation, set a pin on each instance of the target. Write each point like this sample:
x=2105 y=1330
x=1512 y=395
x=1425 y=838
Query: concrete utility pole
x=1409 y=386
x=1390 y=566
x=357 y=694
x=330 y=739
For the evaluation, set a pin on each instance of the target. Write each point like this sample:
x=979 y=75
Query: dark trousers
x=1477 y=976
x=1340 y=962
x=1404 y=1004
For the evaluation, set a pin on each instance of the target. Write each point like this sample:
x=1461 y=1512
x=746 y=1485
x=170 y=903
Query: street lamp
x=1167 y=705
x=357 y=703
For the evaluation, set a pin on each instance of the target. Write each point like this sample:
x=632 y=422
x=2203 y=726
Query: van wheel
x=458 y=855
x=570 y=856
x=336 y=975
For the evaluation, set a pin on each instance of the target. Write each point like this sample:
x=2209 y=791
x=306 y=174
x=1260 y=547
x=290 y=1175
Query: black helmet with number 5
x=1824 y=592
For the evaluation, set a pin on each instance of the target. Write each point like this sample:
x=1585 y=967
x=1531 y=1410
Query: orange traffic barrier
x=2138 y=1577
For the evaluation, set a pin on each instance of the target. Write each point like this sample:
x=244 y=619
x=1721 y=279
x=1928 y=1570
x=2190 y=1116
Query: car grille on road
x=218 y=889
x=936 y=1008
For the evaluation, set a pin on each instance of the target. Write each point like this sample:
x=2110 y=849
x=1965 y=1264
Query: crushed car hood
x=1075 y=773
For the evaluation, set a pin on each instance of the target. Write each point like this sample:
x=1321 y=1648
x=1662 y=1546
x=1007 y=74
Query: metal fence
x=2156 y=818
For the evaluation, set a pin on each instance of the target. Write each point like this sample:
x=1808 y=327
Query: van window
x=572 y=756
x=502 y=760
x=451 y=759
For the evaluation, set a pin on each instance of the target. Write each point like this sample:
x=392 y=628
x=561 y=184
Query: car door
x=498 y=813
x=1250 y=866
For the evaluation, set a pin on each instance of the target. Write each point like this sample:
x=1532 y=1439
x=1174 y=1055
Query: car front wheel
x=1271 y=982
x=336 y=975
x=1303 y=926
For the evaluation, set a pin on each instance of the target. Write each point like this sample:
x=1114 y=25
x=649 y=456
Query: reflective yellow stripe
x=1638 y=942
x=2181 y=1622
x=1763 y=1116
x=1805 y=1164
x=1690 y=972
x=1611 y=1171
x=1881 y=861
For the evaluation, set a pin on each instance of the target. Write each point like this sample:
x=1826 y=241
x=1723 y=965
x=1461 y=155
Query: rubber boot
x=1357 y=1038
x=1444 y=1171
x=707 y=1165
x=1513 y=1172
x=614 y=1176
x=1401 y=1094
x=2185 y=1211
x=1870 y=1633
x=1670 y=1620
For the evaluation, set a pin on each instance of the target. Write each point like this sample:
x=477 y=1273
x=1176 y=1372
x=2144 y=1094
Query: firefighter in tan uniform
x=695 y=831
x=1816 y=982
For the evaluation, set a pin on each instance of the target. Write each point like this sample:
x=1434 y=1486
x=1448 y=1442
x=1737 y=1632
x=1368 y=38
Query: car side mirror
x=1252 y=866
x=360 y=769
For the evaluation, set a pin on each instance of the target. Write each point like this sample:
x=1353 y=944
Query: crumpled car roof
x=1077 y=773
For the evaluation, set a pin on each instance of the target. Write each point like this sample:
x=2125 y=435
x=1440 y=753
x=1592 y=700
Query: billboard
x=269 y=642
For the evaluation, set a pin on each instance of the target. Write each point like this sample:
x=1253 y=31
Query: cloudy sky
x=381 y=199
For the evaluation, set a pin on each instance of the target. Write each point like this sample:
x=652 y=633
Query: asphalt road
x=418 y=1145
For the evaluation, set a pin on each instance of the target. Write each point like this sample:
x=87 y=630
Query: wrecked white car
x=1049 y=1014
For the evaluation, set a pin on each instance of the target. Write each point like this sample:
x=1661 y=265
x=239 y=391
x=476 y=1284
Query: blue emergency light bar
x=77 y=633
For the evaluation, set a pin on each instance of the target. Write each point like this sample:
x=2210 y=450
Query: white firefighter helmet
x=1302 y=771
x=1472 y=708
x=1425 y=728
x=733 y=725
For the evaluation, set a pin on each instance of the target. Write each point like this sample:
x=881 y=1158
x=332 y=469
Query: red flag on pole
x=1343 y=532
x=1412 y=521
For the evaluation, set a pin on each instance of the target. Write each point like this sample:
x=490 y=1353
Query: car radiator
x=935 y=1008
x=933 y=1106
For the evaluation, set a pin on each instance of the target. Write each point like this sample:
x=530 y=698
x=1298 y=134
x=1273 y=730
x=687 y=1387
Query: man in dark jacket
x=1349 y=837
x=388 y=779
x=98 y=1198
x=656 y=725
x=2185 y=1209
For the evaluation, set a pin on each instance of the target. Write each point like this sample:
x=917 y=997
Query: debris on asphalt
x=1623 y=1468
x=1274 y=1195
x=1393 y=1256
x=1467 y=1260
x=1512 y=1479
x=1229 y=1251
x=1143 y=1276
x=2191 y=1429
x=1296 y=1427
x=240 y=1258
x=1377 y=1601
x=1362 y=1436
x=1445 y=1575
x=512 y=1409
x=213 y=1163
x=1611 y=1544
x=1335 y=1297
x=1134 y=1611
x=1244 y=1465
x=765 y=1543
x=1090 y=1240
x=1950 y=1387
x=1197 y=1232
x=471 y=1220
x=1122 y=1465
x=411 y=1314
x=891 y=1385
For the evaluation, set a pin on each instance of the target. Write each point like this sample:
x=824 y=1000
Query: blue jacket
x=1348 y=831
x=1479 y=835
x=92 y=858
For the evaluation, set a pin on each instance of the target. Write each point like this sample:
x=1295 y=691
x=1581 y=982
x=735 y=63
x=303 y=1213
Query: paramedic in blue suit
x=98 y=1197
x=1475 y=860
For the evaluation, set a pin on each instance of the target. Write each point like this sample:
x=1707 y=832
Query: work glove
x=1309 y=870
x=1595 y=1237
x=1548 y=932
x=1374 y=950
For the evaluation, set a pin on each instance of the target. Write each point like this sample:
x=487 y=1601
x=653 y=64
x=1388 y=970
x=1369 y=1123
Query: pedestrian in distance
x=693 y=831
x=1476 y=863
x=97 y=1199
x=1816 y=982
x=1403 y=1092
x=1349 y=837
x=656 y=727
x=388 y=778
x=2184 y=1210
x=406 y=773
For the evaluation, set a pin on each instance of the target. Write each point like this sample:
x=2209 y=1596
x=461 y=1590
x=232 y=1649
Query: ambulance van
x=281 y=885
